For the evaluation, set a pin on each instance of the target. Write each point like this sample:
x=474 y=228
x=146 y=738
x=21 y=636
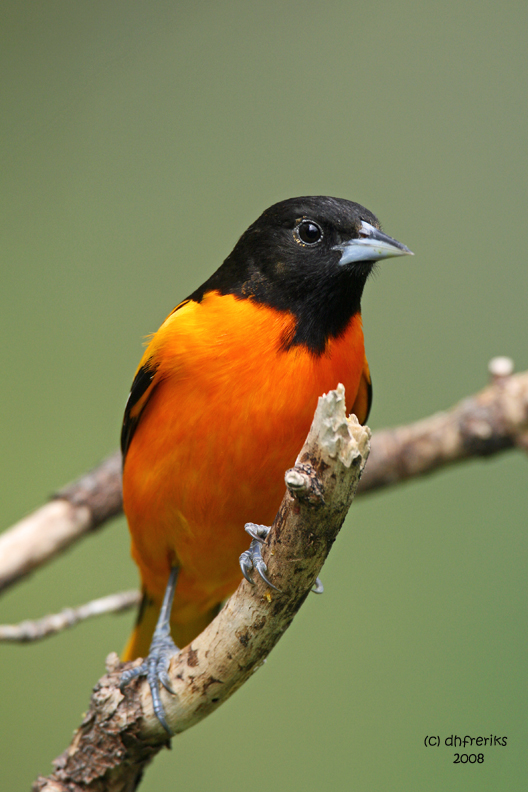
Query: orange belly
x=226 y=420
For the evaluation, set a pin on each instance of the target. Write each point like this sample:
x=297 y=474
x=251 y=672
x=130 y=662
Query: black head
x=310 y=256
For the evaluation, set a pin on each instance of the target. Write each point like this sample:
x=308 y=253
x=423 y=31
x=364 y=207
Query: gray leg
x=162 y=648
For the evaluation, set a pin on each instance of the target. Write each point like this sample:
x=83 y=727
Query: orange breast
x=228 y=416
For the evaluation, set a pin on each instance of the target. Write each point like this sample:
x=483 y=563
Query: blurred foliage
x=138 y=140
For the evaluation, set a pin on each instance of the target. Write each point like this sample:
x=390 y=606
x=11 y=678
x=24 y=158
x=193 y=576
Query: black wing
x=140 y=392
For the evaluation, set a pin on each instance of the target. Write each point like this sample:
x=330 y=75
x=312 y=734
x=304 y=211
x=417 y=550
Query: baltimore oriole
x=223 y=399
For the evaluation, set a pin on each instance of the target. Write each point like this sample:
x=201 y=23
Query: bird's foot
x=252 y=559
x=155 y=668
x=162 y=649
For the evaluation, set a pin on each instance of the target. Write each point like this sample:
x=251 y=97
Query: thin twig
x=120 y=734
x=28 y=631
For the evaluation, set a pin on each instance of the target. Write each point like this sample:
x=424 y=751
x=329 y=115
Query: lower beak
x=371 y=245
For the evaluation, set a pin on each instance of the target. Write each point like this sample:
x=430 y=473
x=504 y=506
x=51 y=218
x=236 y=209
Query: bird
x=221 y=404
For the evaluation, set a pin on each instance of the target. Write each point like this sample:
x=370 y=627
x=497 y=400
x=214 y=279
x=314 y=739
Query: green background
x=138 y=141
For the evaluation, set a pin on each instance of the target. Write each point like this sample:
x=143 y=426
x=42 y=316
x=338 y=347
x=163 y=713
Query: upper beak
x=370 y=245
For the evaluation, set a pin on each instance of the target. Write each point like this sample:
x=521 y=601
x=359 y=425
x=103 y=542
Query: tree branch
x=120 y=734
x=76 y=510
x=493 y=420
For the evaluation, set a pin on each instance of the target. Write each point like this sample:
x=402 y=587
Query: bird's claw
x=155 y=668
x=257 y=532
x=252 y=559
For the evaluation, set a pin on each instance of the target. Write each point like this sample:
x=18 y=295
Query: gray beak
x=371 y=245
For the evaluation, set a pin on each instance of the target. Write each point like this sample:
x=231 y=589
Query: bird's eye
x=309 y=233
